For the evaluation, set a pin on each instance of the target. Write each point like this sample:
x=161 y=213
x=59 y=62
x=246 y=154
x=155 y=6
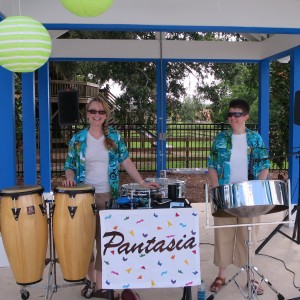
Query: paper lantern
x=87 y=8
x=25 y=44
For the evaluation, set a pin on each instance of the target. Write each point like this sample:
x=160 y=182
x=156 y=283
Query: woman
x=231 y=160
x=94 y=155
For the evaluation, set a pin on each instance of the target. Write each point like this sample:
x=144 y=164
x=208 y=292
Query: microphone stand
x=296 y=231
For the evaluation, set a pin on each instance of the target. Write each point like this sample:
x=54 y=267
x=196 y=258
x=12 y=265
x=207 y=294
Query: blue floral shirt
x=76 y=158
x=219 y=158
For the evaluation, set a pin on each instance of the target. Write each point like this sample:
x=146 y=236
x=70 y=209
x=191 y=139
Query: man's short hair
x=240 y=103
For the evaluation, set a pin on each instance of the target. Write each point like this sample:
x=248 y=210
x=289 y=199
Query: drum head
x=22 y=190
x=77 y=189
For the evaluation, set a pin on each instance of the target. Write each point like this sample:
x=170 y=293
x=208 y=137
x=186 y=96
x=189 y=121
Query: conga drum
x=74 y=229
x=24 y=232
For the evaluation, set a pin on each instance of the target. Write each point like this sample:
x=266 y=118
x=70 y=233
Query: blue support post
x=161 y=112
x=29 y=129
x=294 y=130
x=8 y=176
x=44 y=113
x=264 y=102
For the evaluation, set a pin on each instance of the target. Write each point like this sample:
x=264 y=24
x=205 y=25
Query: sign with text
x=150 y=248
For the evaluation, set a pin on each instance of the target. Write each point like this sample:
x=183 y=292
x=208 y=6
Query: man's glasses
x=94 y=111
x=236 y=114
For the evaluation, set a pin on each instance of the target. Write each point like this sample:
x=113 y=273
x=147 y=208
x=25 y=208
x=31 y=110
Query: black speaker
x=68 y=107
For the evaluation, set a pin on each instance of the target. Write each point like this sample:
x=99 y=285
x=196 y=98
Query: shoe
x=129 y=294
x=256 y=288
x=88 y=290
x=105 y=294
x=217 y=284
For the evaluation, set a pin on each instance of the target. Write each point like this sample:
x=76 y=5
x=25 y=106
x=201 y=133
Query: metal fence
x=188 y=145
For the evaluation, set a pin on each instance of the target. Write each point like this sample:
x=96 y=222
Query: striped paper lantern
x=25 y=44
x=87 y=8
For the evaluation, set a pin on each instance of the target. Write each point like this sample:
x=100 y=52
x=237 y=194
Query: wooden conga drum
x=24 y=232
x=74 y=228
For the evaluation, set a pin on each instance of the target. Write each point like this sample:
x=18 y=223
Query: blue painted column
x=44 y=117
x=8 y=175
x=161 y=112
x=29 y=128
x=294 y=130
x=264 y=102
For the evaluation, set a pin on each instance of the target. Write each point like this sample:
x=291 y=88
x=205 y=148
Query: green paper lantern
x=25 y=44
x=87 y=8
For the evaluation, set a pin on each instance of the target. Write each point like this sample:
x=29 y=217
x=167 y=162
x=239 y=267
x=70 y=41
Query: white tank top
x=96 y=164
x=239 y=159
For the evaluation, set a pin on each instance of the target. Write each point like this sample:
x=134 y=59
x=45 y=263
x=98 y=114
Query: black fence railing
x=188 y=145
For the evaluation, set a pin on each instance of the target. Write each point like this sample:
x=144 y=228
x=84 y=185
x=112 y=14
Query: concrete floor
x=277 y=261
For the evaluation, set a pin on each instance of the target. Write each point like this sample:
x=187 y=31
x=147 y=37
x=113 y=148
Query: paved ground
x=278 y=262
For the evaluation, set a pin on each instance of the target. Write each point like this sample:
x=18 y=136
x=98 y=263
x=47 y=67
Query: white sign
x=150 y=248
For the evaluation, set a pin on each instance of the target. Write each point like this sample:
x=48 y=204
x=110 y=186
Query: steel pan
x=141 y=196
x=249 y=198
x=165 y=182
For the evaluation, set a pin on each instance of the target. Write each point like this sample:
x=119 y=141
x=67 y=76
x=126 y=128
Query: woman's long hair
x=108 y=142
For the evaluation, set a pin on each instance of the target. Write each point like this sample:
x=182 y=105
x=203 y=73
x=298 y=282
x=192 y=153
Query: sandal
x=217 y=284
x=256 y=288
x=129 y=294
x=88 y=290
x=105 y=294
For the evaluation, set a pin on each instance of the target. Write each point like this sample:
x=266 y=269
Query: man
x=235 y=157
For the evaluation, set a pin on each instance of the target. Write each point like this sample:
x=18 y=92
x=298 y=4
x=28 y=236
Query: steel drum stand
x=252 y=293
x=250 y=269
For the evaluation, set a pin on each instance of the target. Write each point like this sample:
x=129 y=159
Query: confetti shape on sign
x=131 y=232
x=170 y=224
x=128 y=270
x=152 y=282
x=186 y=262
x=177 y=215
x=140 y=277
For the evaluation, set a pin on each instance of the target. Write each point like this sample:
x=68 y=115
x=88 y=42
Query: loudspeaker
x=68 y=107
x=297 y=108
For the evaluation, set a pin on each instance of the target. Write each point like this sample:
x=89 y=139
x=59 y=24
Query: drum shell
x=74 y=237
x=249 y=198
x=165 y=182
x=25 y=239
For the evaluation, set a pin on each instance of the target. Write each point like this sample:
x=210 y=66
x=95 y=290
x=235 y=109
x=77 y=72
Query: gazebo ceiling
x=270 y=27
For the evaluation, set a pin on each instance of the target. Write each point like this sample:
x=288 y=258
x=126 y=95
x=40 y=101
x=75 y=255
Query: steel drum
x=140 y=196
x=249 y=198
x=165 y=182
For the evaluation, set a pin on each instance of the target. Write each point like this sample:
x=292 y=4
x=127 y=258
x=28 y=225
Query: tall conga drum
x=24 y=232
x=74 y=229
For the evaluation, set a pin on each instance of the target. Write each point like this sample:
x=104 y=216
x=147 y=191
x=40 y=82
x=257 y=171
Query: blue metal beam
x=161 y=112
x=44 y=117
x=264 y=101
x=29 y=132
x=8 y=176
x=294 y=130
